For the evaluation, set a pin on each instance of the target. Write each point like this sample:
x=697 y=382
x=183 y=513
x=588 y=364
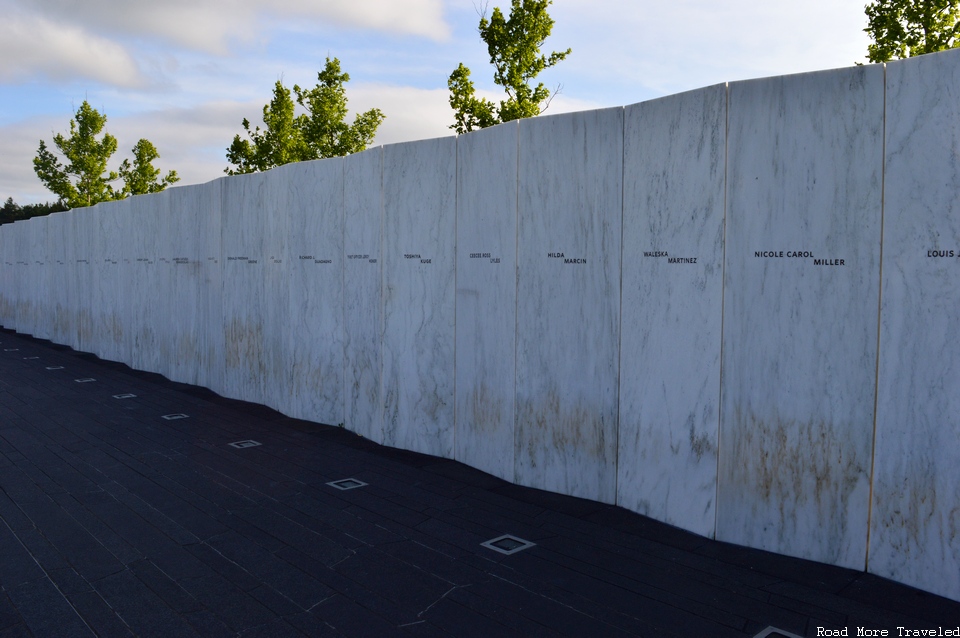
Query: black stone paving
x=116 y=522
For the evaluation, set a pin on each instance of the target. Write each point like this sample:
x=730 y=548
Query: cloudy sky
x=184 y=73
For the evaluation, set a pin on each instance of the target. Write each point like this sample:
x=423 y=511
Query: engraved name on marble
x=567 y=260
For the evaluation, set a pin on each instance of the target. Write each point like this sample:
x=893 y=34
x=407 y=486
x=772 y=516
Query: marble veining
x=313 y=198
x=362 y=298
x=487 y=298
x=672 y=307
x=915 y=521
x=419 y=239
x=243 y=254
x=107 y=304
x=568 y=302
x=800 y=313
x=206 y=224
x=275 y=360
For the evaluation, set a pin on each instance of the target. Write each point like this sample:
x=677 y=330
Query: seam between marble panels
x=876 y=380
x=723 y=296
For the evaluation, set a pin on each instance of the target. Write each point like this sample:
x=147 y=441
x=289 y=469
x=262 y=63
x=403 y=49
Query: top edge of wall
x=921 y=59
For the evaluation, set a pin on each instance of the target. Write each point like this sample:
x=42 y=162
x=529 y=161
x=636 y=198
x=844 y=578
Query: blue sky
x=184 y=73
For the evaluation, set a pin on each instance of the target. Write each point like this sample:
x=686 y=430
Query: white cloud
x=665 y=48
x=214 y=25
x=412 y=113
x=32 y=45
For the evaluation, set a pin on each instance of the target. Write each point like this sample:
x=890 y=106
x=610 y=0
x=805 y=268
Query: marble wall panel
x=90 y=273
x=12 y=264
x=242 y=236
x=108 y=302
x=915 y=519
x=275 y=302
x=87 y=248
x=362 y=299
x=206 y=223
x=312 y=195
x=45 y=315
x=487 y=298
x=6 y=275
x=568 y=302
x=144 y=285
x=184 y=309
x=121 y=231
x=801 y=287
x=672 y=294
x=21 y=321
x=23 y=275
x=419 y=248
x=164 y=304
x=62 y=269
x=33 y=290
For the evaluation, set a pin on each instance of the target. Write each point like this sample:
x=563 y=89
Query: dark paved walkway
x=115 y=521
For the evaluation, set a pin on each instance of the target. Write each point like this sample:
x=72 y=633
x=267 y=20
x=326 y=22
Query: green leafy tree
x=514 y=47
x=321 y=131
x=905 y=28
x=84 y=179
x=141 y=177
x=281 y=142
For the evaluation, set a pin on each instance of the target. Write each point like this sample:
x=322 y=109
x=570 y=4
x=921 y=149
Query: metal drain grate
x=84 y=380
x=174 y=417
x=242 y=444
x=54 y=367
x=507 y=544
x=124 y=396
x=773 y=632
x=346 y=484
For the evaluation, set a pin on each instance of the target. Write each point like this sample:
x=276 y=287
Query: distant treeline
x=13 y=211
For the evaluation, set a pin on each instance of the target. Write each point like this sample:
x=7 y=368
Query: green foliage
x=470 y=112
x=12 y=211
x=280 y=143
x=904 y=28
x=514 y=47
x=142 y=178
x=322 y=131
x=84 y=180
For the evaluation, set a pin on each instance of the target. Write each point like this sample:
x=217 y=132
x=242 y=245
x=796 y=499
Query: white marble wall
x=915 y=523
x=166 y=304
x=243 y=255
x=568 y=312
x=362 y=299
x=23 y=273
x=142 y=283
x=487 y=299
x=207 y=224
x=275 y=300
x=185 y=257
x=400 y=323
x=113 y=228
x=419 y=239
x=87 y=248
x=35 y=308
x=313 y=199
x=58 y=229
x=800 y=339
x=672 y=287
x=6 y=275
